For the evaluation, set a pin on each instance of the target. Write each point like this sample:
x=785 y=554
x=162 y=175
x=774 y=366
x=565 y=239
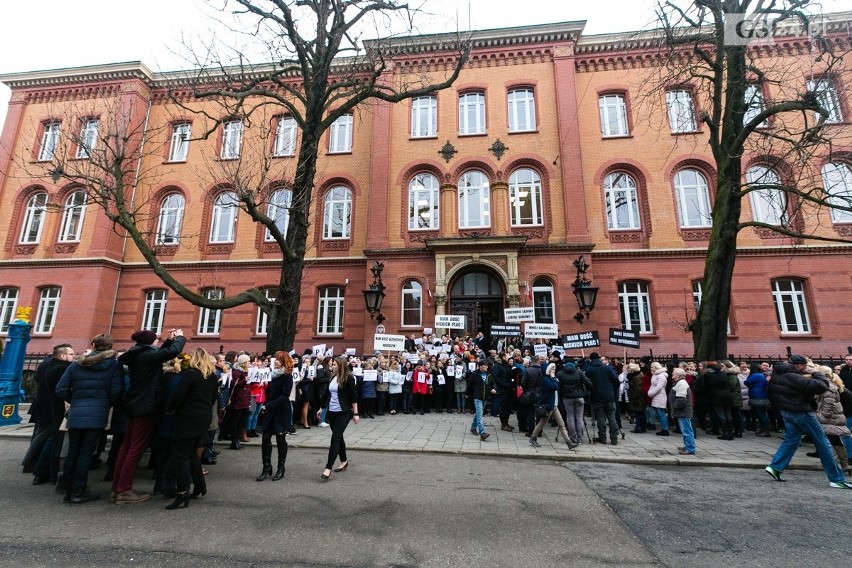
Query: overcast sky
x=53 y=34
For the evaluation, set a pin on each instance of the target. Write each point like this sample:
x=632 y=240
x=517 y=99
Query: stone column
x=449 y=210
x=499 y=208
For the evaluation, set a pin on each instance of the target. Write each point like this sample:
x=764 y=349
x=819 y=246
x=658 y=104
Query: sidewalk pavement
x=450 y=434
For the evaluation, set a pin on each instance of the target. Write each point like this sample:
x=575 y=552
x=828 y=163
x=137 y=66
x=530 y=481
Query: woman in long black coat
x=278 y=415
x=191 y=403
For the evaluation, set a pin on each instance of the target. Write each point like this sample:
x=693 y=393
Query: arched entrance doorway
x=479 y=296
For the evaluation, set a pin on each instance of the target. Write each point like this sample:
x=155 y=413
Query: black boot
x=281 y=442
x=266 y=457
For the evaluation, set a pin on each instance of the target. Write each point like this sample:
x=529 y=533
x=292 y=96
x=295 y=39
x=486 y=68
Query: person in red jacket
x=420 y=386
x=239 y=401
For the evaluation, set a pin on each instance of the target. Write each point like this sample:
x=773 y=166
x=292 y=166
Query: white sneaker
x=840 y=484
x=323 y=424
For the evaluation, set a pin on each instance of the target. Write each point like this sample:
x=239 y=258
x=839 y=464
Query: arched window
x=693 y=199
x=72 y=217
x=474 y=201
x=337 y=212
x=837 y=180
x=543 y=301
x=224 y=218
x=622 y=206
x=412 y=303
x=8 y=306
x=423 y=202
x=170 y=219
x=34 y=215
x=279 y=211
x=768 y=202
x=525 y=200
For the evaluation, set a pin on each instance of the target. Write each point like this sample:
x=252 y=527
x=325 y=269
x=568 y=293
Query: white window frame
x=88 y=138
x=232 y=139
x=621 y=194
x=340 y=135
x=278 y=209
x=330 y=311
x=179 y=149
x=49 y=140
x=337 y=210
x=154 y=311
x=262 y=317
x=209 y=320
x=170 y=219
x=224 y=217
x=424 y=117
x=755 y=104
x=697 y=294
x=693 y=199
x=521 y=190
x=613 y=111
x=826 y=92
x=791 y=306
x=423 y=199
x=412 y=304
x=837 y=181
x=474 y=192
x=73 y=215
x=472 y=113
x=34 y=217
x=285 y=137
x=544 y=301
x=634 y=296
x=522 y=110
x=681 y=111
x=768 y=204
x=8 y=308
x=48 y=309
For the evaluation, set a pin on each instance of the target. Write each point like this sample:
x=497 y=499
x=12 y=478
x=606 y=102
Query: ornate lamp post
x=374 y=295
x=586 y=294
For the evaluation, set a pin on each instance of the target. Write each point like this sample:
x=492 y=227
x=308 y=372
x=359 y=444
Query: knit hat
x=797 y=360
x=243 y=358
x=144 y=337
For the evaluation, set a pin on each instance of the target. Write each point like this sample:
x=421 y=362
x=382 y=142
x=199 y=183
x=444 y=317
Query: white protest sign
x=542 y=331
x=450 y=322
x=540 y=350
x=371 y=375
x=318 y=350
x=519 y=314
x=427 y=331
x=389 y=342
x=350 y=351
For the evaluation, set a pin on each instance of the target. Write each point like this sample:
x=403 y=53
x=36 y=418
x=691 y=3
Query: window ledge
x=222 y=159
x=277 y=156
x=167 y=161
x=328 y=336
x=789 y=335
x=343 y=153
x=514 y=132
x=647 y=335
x=616 y=136
x=205 y=336
x=473 y=135
x=688 y=133
x=432 y=137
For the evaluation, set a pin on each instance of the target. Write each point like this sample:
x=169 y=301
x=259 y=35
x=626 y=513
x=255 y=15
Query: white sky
x=53 y=34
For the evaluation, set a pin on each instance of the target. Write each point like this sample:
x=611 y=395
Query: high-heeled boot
x=842 y=459
x=181 y=500
x=266 y=457
x=281 y=442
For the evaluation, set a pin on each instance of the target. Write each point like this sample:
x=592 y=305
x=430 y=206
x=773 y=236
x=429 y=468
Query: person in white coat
x=657 y=394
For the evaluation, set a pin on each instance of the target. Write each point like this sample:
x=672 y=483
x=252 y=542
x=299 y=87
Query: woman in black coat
x=342 y=402
x=191 y=403
x=278 y=415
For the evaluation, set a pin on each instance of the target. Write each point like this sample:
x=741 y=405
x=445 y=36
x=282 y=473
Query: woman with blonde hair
x=278 y=415
x=831 y=417
x=342 y=402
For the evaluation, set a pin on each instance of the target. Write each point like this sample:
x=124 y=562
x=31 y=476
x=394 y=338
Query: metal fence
x=827 y=360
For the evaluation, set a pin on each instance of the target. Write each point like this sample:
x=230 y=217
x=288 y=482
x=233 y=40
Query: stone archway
x=480 y=296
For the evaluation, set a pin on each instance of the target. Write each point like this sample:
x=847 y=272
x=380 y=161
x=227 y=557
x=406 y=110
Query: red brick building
x=551 y=145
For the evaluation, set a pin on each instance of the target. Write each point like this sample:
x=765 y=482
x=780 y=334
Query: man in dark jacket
x=502 y=391
x=604 y=394
x=794 y=396
x=91 y=384
x=40 y=409
x=476 y=381
x=50 y=412
x=145 y=365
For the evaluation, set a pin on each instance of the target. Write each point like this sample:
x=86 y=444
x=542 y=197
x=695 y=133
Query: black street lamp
x=586 y=294
x=374 y=295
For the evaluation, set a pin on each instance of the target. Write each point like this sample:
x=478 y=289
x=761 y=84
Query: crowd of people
x=174 y=402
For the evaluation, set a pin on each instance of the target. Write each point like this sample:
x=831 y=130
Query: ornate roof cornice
x=75 y=75
x=781 y=250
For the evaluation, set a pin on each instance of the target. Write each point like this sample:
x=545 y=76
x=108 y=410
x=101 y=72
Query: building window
x=543 y=301
x=754 y=104
x=155 y=310
x=34 y=215
x=423 y=200
x=525 y=200
x=634 y=303
x=179 y=149
x=693 y=198
x=232 y=139
x=837 y=180
x=697 y=293
x=768 y=201
x=474 y=201
x=337 y=212
x=681 y=111
x=412 y=303
x=72 y=217
x=790 y=306
x=224 y=221
x=263 y=317
x=340 y=136
x=48 y=306
x=622 y=206
x=88 y=138
x=330 y=313
x=521 y=110
x=170 y=219
x=209 y=319
x=279 y=211
x=424 y=117
x=472 y=113
x=285 y=137
x=8 y=307
x=826 y=93
x=49 y=140
x=613 y=112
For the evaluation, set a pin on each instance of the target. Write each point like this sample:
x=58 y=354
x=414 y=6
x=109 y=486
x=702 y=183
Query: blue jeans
x=797 y=424
x=847 y=440
x=688 y=434
x=477 y=423
x=661 y=416
x=251 y=423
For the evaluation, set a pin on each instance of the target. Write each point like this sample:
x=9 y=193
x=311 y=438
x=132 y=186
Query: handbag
x=528 y=397
x=541 y=411
x=519 y=392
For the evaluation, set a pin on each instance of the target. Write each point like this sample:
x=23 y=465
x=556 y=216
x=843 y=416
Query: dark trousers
x=604 y=415
x=504 y=403
x=381 y=396
x=137 y=437
x=526 y=417
x=164 y=471
x=639 y=420
x=41 y=434
x=238 y=424
x=82 y=443
x=47 y=466
x=187 y=466
x=393 y=401
x=338 y=422
x=440 y=398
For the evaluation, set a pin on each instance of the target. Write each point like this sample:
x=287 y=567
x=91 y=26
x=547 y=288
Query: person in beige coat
x=832 y=419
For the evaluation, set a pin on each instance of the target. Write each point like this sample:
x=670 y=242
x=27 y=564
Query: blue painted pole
x=12 y=367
